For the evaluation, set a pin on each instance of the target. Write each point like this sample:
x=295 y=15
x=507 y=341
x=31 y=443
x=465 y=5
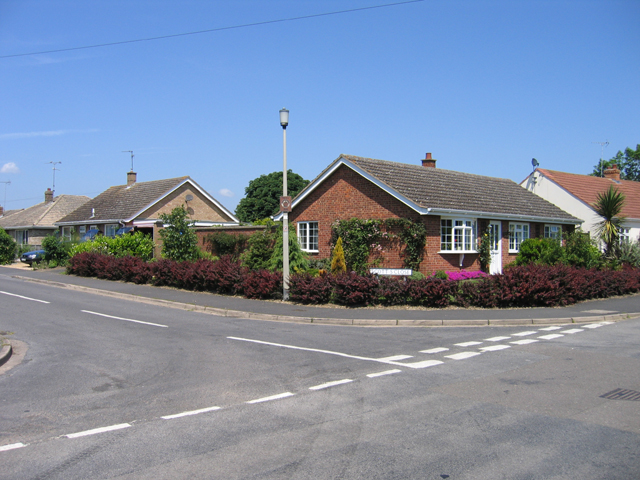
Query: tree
x=179 y=241
x=7 y=248
x=338 y=263
x=608 y=206
x=628 y=163
x=262 y=196
x=298 y=260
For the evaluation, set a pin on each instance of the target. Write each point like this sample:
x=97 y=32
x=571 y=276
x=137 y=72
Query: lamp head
x=284 y=117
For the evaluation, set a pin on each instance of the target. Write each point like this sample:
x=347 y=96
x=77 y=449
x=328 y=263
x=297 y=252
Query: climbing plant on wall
x=361 y=238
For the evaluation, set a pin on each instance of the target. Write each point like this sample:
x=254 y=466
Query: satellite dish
x=188 y=198
x=535 y=163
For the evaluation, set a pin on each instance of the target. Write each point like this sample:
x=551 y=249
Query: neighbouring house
x=138 y=205
x=577 y=195
x=455 y=208
x=30 y=226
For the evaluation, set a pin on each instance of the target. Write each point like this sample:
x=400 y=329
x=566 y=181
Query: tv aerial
x=131 y=152
x=54 y=175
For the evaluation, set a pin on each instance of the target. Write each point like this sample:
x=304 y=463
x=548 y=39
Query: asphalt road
x=104 y=388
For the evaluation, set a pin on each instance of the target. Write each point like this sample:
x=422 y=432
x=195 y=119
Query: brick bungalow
x=140 y=204
x=455 y=208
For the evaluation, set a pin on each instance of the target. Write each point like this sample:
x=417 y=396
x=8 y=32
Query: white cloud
x=9 y=168
x=225 y=192
x=46 y=133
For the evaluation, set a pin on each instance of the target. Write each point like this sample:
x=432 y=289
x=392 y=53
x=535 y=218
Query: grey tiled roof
x=122 y=202
x=449 y=190
x=44 y=214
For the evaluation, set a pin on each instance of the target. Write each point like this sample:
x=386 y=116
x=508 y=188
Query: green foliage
x=297 y=258
x=262 y=196
x=180 y=242
x=540 y=251
x=361 y=238
x=628 y=163
x=416 y=275
x=223 y=243
x=609 y=205
x=484 y=251
x=441 y=274
x=7 y=248
x=338 y=264
x=630 y=254
x=580 y=251
x=134 y=245
x=55 y=249
x=260 y=245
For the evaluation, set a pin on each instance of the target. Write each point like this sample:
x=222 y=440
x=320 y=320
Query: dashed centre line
x=125 y=319
x=272 y=397
x=192 y=412
x=331 y=384
x=98 y=430
x=381 y=374
x=23 y=297
x=12 y=446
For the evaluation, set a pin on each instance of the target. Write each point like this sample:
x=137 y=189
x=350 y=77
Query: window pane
x=302 y=235
x=313 y=235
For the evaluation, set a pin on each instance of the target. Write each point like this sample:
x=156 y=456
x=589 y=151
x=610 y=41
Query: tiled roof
x=122 y=201
x=440 y=189
x=44 y=214
x=587 y=188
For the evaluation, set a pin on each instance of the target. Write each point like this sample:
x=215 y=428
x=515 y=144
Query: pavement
x=611 y=309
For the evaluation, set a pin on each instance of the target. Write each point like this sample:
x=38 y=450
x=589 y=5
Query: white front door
x=495 y=237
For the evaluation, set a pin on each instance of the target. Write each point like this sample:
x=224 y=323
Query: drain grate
x=622 y=394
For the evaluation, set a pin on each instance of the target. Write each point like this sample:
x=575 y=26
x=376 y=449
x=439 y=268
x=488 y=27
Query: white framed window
x=66 y=233
x=625 y=235
x=93 y=227
x=518 y=233
x=110 y=229
x=457 y=235
x=82 y=229
x=553 y=231
x=308 y=236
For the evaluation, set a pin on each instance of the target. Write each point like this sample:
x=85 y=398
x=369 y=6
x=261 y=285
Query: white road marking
x=424 y=364
x=551 y=329
x=523 y=334
x=317 y=350
x=24 y=298
x=192 y=412
x=435 y=350
x=573 y=330
x=396 y=357
x=12 y=446
x=551 y=336
x=98 y=430
x=525 y=341
x=272 y=397
x=592 y=325
x=331 y=384
x=496 y=339
x=462 y=355
x=607 y=323
x=494 y=348
x=386 y=372
x=467 y=344
x=126 y=319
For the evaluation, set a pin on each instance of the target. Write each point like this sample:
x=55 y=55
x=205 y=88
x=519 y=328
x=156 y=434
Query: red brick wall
x=346 y=194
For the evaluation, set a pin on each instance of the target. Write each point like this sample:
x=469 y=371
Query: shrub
x=179 y=241
x=464 y=275
x=441 y=274
x=630 y=254
x=262 y=284
x=227 y=275
x=352 y=289
x=306 y=288
x=430 y=292
x=391 y=291
x=541 y=251
x=580 y=251
x=55 y=249
x=259 y=250
x=7 y=248
x=83 y=264
x=416 y=275
x=297 y=258
x=223 y=243
x=135 y=244
x=338 y=264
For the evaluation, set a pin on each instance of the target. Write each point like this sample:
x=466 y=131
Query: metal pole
x=285 y=223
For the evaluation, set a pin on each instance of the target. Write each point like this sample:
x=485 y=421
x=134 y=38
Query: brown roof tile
x=44 y=214
x=450 y=190
x=587 y=188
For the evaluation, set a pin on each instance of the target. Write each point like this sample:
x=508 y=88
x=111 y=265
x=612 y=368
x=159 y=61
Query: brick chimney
x=428 y=161
x=612 y=173
x=131 y=178
x=1 y=210
x=48 y=196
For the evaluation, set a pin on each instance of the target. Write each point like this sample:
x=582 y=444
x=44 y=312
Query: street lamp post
x=285 y=206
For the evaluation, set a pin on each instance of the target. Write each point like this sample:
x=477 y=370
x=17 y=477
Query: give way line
x=427 y=363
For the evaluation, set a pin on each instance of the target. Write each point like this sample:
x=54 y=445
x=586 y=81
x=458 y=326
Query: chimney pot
x=131 y=178
x=48 y=195
x=428 y=161
x=1 y=210
x=612 y=173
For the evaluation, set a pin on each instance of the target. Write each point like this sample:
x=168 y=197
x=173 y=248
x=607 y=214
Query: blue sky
x=483 y=85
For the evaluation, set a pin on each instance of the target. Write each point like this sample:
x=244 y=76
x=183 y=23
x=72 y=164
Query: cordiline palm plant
x=609 y=205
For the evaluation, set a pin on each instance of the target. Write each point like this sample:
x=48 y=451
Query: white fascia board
x=197 y=187
x=501 y=216
x=88 y=221
x=30 y=227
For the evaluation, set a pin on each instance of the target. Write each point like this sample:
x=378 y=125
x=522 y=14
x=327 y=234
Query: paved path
x=611 y=309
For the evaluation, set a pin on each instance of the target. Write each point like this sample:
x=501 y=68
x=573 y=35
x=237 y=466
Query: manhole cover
x=622 y=394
